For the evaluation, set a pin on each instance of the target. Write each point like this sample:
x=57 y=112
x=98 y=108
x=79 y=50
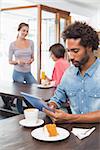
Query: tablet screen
x=35 y=101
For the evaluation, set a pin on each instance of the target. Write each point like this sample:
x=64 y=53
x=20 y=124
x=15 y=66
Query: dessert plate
x=40 y=135
x=45 y=86
x=52 y=84
x=25 y=123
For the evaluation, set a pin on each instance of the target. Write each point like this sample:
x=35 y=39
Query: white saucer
x=25 y=123
x=39 y=134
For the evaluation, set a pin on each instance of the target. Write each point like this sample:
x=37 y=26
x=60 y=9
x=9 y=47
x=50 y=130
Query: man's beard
x=83 y=61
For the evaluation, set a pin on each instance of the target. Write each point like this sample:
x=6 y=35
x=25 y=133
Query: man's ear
x=89 y=49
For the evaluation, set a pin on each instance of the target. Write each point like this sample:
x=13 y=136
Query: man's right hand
x=52 y=105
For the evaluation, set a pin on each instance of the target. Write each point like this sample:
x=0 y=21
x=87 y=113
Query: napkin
x=81 y=133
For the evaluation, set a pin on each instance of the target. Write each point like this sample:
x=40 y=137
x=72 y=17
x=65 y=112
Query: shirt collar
x=91 y=70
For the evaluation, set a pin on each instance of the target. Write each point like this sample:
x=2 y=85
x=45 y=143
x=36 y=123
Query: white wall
x=95 y=20
x=79 y=12
x=65 y=5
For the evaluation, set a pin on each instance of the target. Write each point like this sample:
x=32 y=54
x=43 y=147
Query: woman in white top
x=21 y=55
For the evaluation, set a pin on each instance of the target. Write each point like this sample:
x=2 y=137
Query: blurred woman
x=21 y=55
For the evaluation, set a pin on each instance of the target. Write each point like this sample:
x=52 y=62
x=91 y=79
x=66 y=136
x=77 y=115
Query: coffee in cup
x=31 y=115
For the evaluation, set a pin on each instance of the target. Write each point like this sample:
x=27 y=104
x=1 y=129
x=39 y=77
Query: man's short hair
x=88 y=36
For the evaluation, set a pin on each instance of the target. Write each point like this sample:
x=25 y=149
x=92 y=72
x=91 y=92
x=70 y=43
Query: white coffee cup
x=31 y=115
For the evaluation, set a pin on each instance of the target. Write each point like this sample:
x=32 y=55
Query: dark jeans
x=22 y=77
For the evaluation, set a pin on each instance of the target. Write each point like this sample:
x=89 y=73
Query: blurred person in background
x=57 y=53
x=21 y=55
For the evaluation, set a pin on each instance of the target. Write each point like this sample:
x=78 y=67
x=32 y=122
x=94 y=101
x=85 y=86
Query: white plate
x=25 y=123
x=39 y=134
x=45 y=86
x=52 y=84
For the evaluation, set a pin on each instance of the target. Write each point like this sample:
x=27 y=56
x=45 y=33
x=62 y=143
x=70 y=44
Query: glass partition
x=48 y=38
x=62 y=27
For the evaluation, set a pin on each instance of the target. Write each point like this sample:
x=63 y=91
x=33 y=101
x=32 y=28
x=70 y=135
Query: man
x=81 y=82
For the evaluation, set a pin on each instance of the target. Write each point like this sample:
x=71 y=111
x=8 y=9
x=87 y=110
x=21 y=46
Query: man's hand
x=52 y=105
x=58 y=116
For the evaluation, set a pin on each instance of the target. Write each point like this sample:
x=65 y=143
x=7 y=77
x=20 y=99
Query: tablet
x=35 y=101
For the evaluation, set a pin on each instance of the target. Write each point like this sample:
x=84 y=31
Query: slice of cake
x=50 y=130
x=45 y=82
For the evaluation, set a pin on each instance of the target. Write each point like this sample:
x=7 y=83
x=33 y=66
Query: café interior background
x=88 y=11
